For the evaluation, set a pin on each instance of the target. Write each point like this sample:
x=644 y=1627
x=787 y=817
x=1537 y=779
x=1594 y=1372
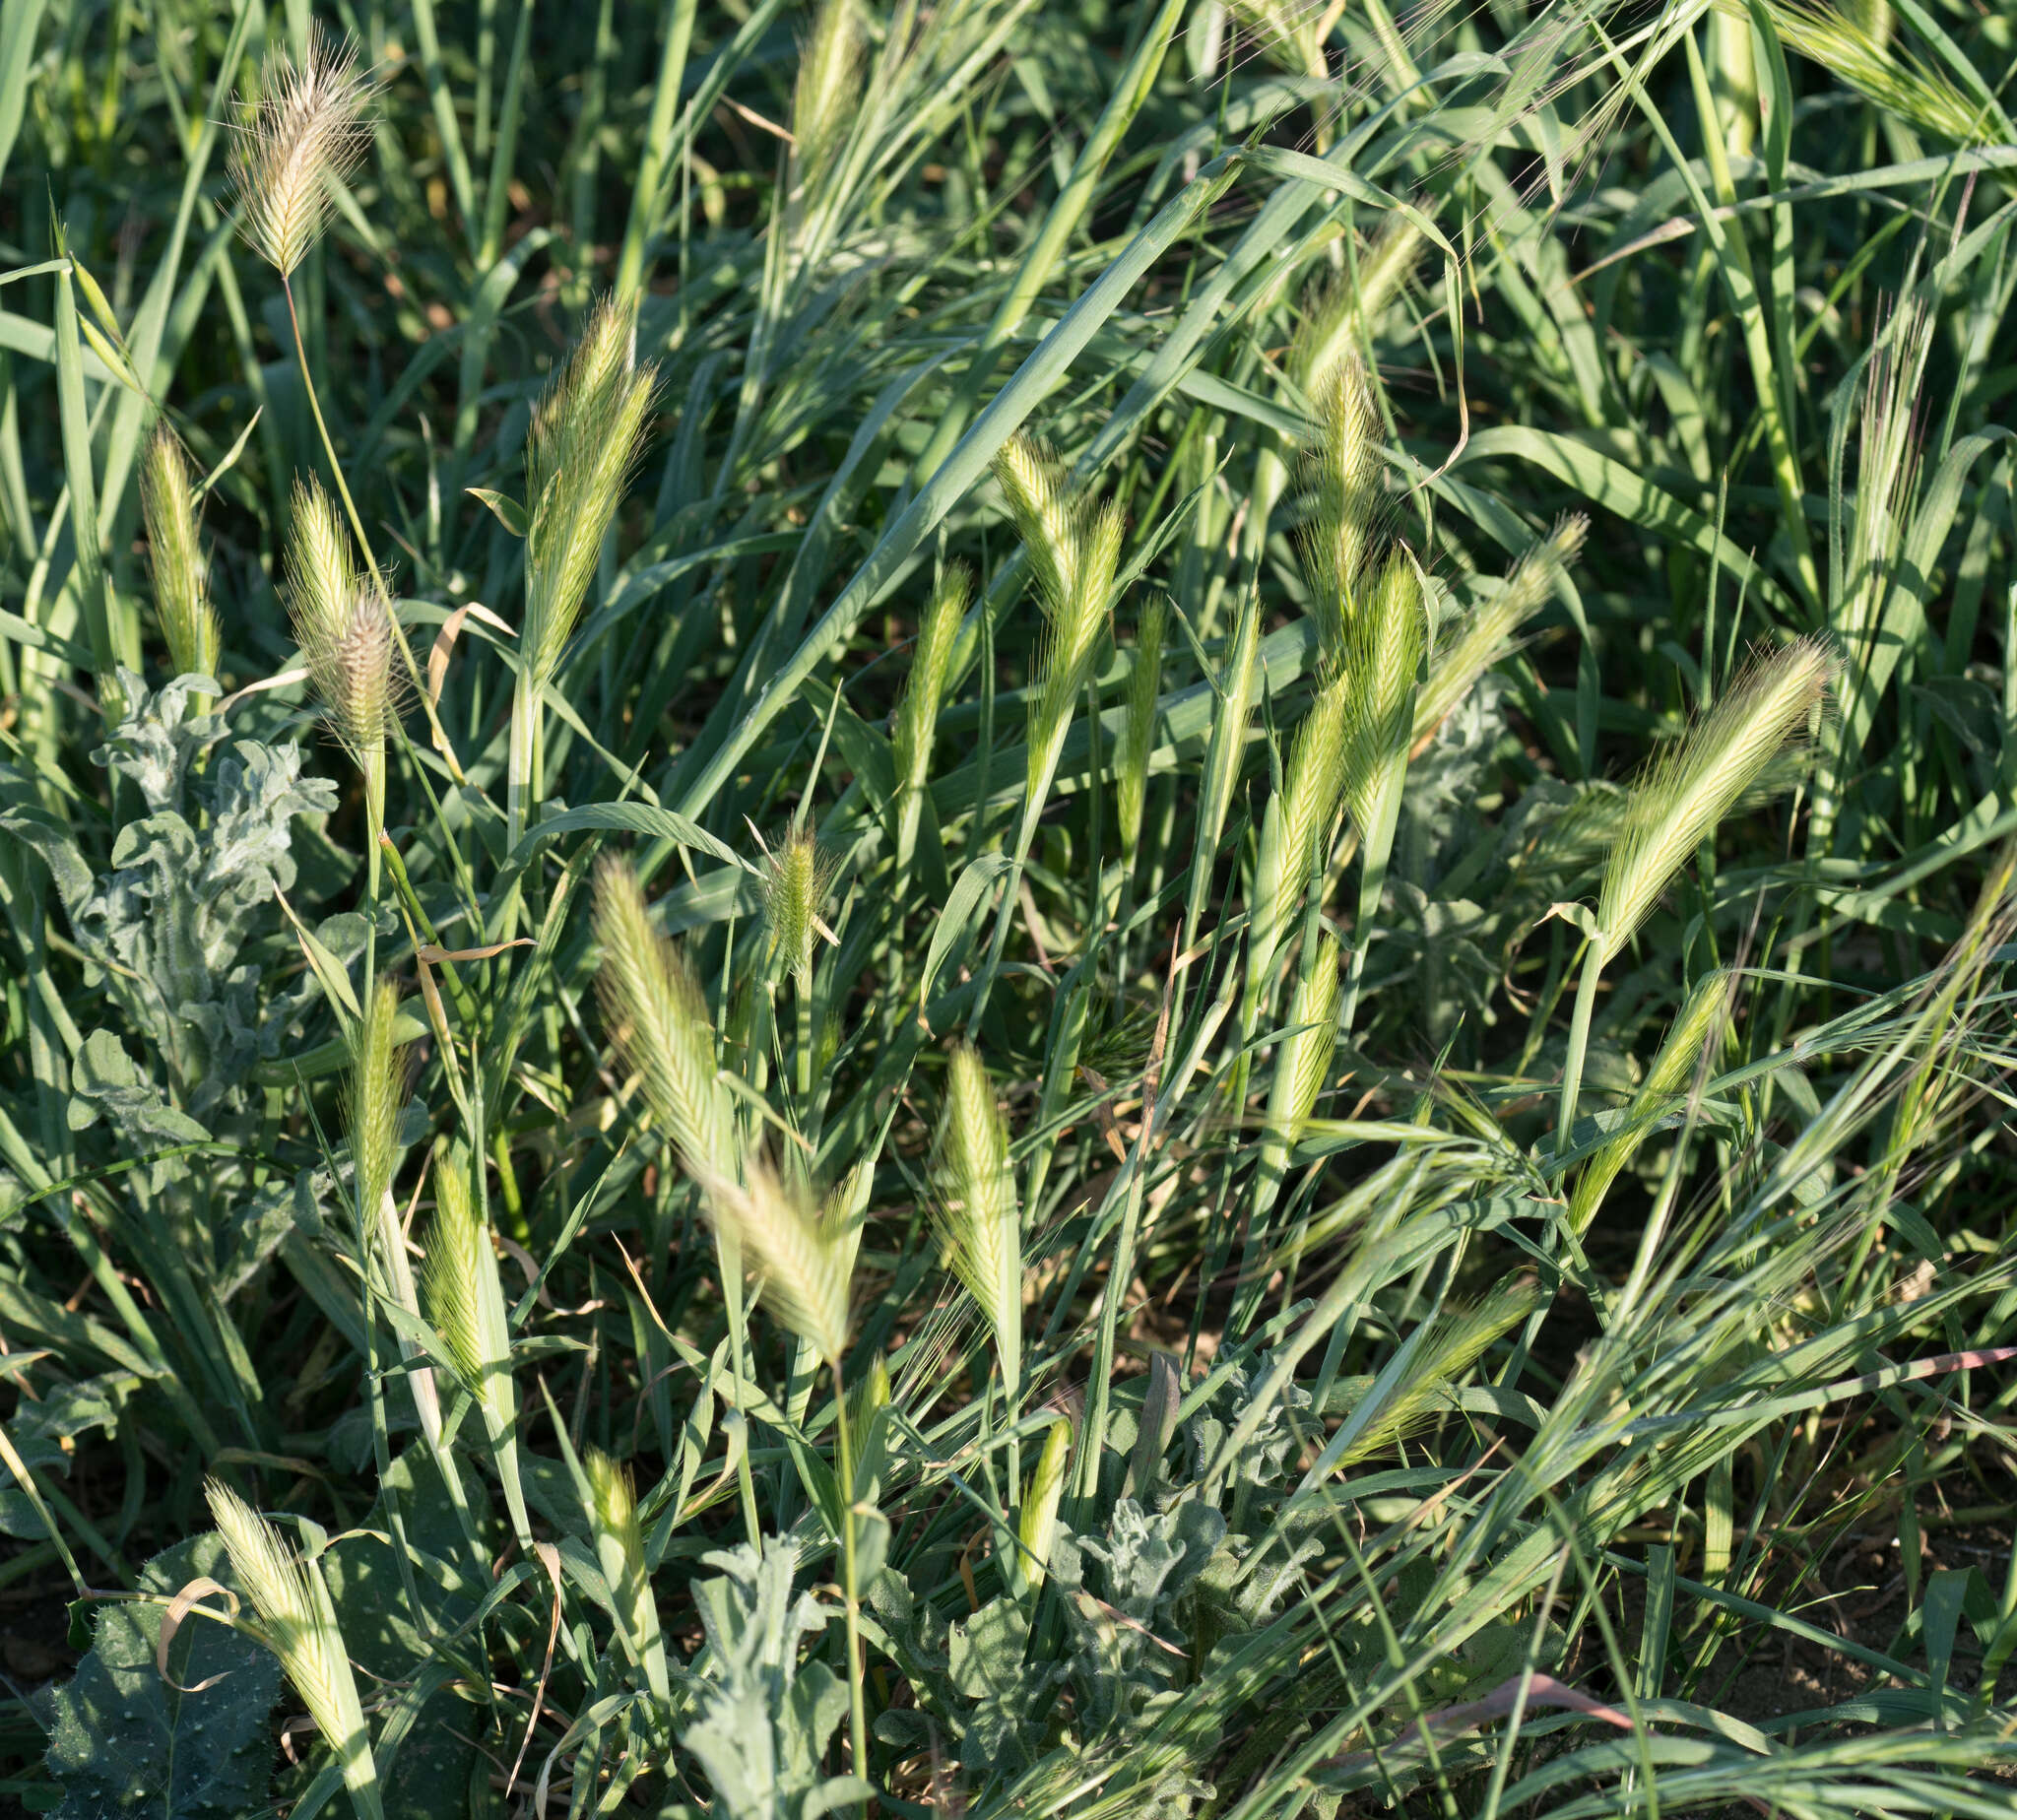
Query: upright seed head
x=804 y=1262
x=796 y=875
x=1137 y=730
x=1688 y=791
x=619 y=1552
x=975 y=1208
x=1037 y=1525
x=1345 y=483
x=828 y=94
x=306 y=136
x=1490 y=631
x=917 y=717
x=175 y=558
x=466 y=1298
x=1383 y=651
x=1316 y=777
x=586 y=433
x=1304 y=1059
x=300 y=1622
x=343 y=623
x=378 y=1094
x=658 y=1018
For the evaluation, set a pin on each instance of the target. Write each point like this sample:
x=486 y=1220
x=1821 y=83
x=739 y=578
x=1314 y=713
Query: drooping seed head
x=974 y=1208
x=306 y=136
x=174 y=558
x=300 y=1622
x=586 y=434
x=1488 y=634
x=658 y=1018
x=343 y=623
x=917 y=718
x=1352 y=303
x=1856 y=44
x=1685 y=792
x=803 y=1262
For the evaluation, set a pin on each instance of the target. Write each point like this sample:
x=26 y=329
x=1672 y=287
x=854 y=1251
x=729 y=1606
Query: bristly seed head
x=796 y=875
x=1685 y=792
x=803 y=1260
x=826 y=98
x=917 y=716
x=306 y=136
x=586 y=433
x=1345 y=481
x=975 y=1209
x=343 y=623
x=175 y=558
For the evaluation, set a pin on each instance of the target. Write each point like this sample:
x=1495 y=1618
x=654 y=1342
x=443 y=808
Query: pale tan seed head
x=1488 y=634
x=1343 y=480
x=826 y=98
x=174 y=558
x=306 y=136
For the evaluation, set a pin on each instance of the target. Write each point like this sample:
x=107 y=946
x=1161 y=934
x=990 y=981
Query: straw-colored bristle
x=828 y=94
x=1488 y=634
x=300 y=1622
x=804 y=1262
x=306 y=136
x=586 y=434
x=1687 y=792
x=658 y=1017
x=917 y=718
x=343 y=623
x=175 y=558
x=797 y=877
x=975 y=1208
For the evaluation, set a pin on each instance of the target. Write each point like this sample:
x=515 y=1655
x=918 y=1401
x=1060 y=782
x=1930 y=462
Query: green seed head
x=175 y=557
x=797 y=877
x=917 y=718
x=1137 y=732
x=343 y=623
x=1038 y=1525
x=975 y=1208
x=826 y=98
x=378 y=1094
x=1344 y=482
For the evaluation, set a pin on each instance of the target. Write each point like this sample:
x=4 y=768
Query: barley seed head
x=1137 y=729
x=377 y=1093
x=1350 y=305
x=798 y=874
x=586 y=434
x=974 y=1210
x=828 y=94
x=1344 y=477
x=1383 y=651
x=1037 y=1523
x=803 y=1262
x=306 y=136
x=1686 y=792
x=175 y=558
x=917 y=717
x=1304 y=1060
x=343 y=623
